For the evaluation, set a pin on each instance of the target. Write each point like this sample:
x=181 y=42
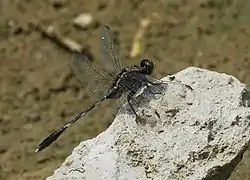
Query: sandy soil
x=39 y=92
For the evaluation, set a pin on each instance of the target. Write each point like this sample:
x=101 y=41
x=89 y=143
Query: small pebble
x=83 y=20
x=27 y=126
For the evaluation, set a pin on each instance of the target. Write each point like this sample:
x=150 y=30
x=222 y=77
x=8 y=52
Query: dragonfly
x=111 y=81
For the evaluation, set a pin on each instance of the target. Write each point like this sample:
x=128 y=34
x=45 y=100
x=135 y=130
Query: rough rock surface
x=202 y=140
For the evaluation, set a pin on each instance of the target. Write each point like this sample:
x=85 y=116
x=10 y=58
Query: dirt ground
x=39 y=92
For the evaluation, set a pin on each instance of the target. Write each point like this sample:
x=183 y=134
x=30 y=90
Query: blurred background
x=39 y=91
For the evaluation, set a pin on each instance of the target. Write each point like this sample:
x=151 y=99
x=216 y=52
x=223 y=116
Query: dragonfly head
x=147 y=66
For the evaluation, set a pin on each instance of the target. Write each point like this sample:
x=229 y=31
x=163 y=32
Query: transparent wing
x=147 y=116
x=109 y=57
x=159 y=101
x=94 y=80
x=171 y=92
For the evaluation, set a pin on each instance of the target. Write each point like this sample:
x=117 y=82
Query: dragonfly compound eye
x=147 y=66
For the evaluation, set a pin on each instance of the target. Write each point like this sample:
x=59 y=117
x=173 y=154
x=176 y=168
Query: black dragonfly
x=114 y=81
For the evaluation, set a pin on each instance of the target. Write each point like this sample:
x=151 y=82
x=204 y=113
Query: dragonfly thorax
x=130 y=79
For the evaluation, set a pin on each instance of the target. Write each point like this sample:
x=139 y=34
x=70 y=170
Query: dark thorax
x=129 y=79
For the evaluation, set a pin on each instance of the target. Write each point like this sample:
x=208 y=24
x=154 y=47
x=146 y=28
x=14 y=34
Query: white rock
x=205 y=140
x=83 y=20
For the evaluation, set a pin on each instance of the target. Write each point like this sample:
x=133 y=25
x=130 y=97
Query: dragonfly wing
x=149 y=118
x=177 y=94
x=109 y=57
x=171 y=92
x=146 y=116
x=153 y=101
x=94 y=80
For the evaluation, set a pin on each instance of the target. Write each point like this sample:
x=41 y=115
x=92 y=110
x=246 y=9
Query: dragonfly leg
x=138 y=120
